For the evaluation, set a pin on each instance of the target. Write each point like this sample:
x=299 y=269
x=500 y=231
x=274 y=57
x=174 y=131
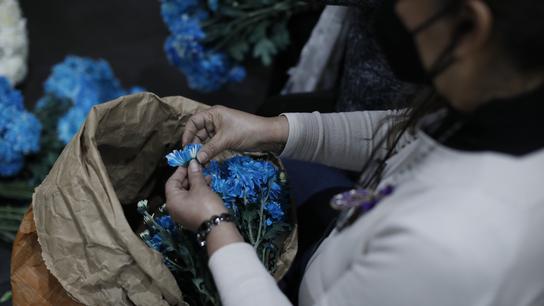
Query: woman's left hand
x=189 y=199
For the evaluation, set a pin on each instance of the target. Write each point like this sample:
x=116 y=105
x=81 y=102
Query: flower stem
x=261 y=214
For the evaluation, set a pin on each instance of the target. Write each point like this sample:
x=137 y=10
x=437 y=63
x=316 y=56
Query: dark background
x=129 y=34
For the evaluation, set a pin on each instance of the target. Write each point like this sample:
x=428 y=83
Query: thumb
x=210 y=149
x=196 y=178
x=176 y=182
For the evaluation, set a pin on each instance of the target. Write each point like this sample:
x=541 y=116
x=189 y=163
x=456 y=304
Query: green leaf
x=259 y=33
x=280 y=35
x=230 y=11
x=238 y=50
x=16 y=190
x=265 y=50
x=6 y=297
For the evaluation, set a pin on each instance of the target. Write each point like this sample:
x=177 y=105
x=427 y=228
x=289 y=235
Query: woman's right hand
x=220 y=128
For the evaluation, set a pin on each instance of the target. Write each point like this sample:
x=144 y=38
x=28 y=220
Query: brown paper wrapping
x=31 y=282
x=87 y=243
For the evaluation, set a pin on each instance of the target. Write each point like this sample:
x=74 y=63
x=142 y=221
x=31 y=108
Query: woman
x=461 y=205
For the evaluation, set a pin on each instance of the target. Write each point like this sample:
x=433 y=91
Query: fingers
x=196 y=178
x=202 y=121
x=177 y=182
x=201 y=136
x=210 y=149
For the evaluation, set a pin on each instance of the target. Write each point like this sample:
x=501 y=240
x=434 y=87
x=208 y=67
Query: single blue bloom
x=181 y=158
x=274 y=210
x=166 y=223
x=156 y=242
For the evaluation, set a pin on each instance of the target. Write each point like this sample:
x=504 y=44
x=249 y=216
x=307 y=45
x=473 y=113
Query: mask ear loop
x=446 y=58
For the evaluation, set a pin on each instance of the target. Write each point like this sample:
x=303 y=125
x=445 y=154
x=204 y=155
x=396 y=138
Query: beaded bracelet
x=206 y=227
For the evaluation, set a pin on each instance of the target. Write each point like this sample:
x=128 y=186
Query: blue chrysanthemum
x=10 y=97
x=86 y=82
x=274 y=210
x=20 y=131
x=206 y=70
x=181 y=158
x=166 y=223
x=156 y=242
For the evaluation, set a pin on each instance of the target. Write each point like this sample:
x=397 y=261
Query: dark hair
x=519 y=28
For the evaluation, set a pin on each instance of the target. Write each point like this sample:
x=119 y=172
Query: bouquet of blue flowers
x=254 y=190
x=211 y=38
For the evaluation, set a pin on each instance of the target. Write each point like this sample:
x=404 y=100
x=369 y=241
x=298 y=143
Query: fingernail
x=202 y=156
x=195 y=167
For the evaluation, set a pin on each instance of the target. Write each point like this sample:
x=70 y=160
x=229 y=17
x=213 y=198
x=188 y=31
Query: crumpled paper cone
x=87 y=243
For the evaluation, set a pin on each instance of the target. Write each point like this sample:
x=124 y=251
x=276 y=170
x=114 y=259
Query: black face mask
x=399 y=47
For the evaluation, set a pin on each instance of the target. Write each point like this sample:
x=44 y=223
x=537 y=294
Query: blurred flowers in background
x=30 y=142
x=13 y=42
x=211 y=38
x=85 y=82
x=19 y=130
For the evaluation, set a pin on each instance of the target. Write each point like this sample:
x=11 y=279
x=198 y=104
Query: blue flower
x=69 y=124
x=156 y=242
x=237 y=74
x=213 y=5
x=135 y=90
x=213 y=169
x=10 y=162
x=86 y=82
x=9 y=96
x=274 y=210
x=166 y=223
x=205 y=69
x=20 y=131
x=24 y=133
x=181 y=158
x=172 y=10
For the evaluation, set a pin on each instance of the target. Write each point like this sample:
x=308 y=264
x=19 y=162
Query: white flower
x=142 y=205
x=13 y=42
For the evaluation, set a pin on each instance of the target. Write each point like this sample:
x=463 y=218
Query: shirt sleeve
x=342 y=140
x=399 y=268
x=241 y=278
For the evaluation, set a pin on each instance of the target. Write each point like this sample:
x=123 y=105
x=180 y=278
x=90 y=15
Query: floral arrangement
x=19 y=130
x=13 y=42
x=30 y=142
x=254 y=191
x=85 y=82
x=210 y=39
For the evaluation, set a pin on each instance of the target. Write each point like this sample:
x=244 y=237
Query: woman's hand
x=190 y=201
x=220 y=128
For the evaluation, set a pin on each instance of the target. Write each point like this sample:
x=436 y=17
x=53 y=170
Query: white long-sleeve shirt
x=461 y=228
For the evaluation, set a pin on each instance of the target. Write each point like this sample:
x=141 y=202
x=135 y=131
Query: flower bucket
x=85 y=210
